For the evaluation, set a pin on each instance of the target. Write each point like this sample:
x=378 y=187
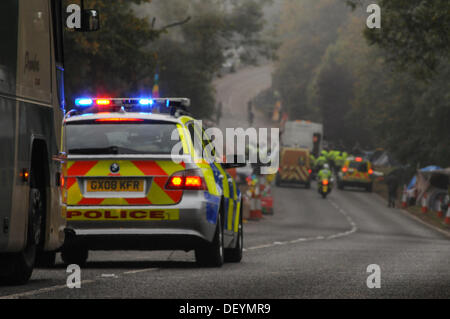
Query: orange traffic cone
x=447 y=218
x=405 y=198
x=424 y=204
x=256 y=208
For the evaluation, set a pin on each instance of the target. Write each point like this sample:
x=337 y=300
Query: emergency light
x=146 y=102
x=171 y=106
x=84 y=102
x=103 y=102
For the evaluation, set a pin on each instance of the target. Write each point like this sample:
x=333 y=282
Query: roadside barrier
x=424 y=203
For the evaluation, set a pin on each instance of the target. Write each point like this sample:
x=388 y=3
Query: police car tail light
x=359 y=159
x=370 y=171
x=344 y=170
x=188 y=180
x=193 y=182
x=175 y=182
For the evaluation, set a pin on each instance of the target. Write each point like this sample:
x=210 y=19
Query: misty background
x=386 y=88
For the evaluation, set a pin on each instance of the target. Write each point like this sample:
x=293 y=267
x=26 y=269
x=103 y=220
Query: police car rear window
x=90 y=138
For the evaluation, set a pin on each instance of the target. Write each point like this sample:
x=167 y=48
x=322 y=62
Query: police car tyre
x=75 y=256
x=369 y=188
x=16 y=268
x=308 y=185
x=212 y=254
x=45 y=259
x=234 y=255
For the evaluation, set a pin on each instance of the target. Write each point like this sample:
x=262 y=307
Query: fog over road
x=236 y=89
x=310 y=247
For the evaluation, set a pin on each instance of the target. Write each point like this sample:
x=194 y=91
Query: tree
x=111 y=61
x=307 y=29
x=415 y=34
x=134 y=42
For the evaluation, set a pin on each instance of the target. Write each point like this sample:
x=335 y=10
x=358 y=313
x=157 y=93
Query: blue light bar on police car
x=146 y=102
x=84 y=102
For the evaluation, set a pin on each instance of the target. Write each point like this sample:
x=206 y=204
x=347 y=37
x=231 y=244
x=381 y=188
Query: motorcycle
x=325 y=187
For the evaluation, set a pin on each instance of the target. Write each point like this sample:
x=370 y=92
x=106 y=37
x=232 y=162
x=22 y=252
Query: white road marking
x=60 y=287
x=42 y=290
x=350 y=221
x=139 y=271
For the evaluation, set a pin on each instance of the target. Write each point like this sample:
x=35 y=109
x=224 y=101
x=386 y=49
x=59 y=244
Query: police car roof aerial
x=169 y=106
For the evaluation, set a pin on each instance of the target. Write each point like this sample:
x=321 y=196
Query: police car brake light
x=189 y=180
x=359 y=159
x=344 y=169
x=118 y=120
x=193 y=182
x=370 y=171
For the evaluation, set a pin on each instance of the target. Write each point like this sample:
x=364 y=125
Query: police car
x=137 y=175
x=356 y=172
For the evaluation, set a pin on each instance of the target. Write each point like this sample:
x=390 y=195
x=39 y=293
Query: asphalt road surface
x=310 y=248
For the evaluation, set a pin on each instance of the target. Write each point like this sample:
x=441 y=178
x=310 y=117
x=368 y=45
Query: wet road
x=310 y=248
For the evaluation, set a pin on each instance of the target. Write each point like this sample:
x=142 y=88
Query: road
x=235 y=90
x=310 y=248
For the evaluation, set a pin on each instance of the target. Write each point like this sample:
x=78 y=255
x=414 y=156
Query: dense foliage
x=386 y=88
x=133 y=44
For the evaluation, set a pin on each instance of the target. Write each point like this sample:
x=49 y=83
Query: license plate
x=325 y=189
x=115 y=185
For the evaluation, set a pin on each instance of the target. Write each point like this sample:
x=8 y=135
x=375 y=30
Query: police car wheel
x=16 y=268
x=234 y=255
x=212 y=254
x=369 y=188
x=74 y=256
